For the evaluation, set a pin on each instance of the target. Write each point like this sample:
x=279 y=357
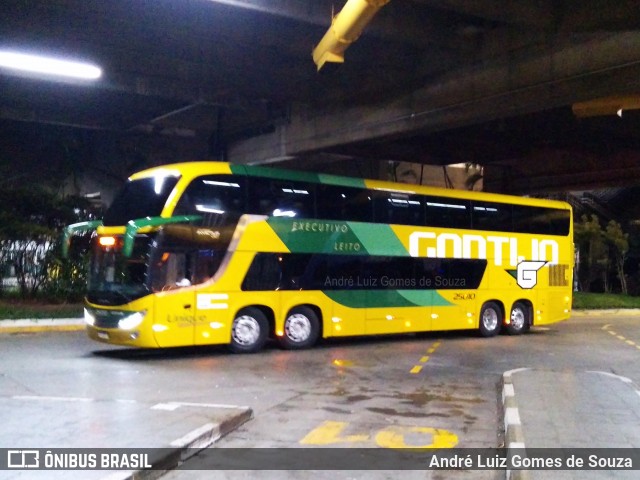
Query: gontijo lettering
x=501 y=248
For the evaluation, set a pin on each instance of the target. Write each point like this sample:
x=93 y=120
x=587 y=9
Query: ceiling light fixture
x=48 y=66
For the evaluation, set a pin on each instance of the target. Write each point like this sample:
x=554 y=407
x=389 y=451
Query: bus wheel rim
x=517 y=318
x=246 y=330
x=490 y=320
x=298 y=327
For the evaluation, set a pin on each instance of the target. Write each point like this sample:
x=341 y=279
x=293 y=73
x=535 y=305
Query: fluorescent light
x=221 y=184
x=208 y=209
x=48 y=66
x=446 y=205
x=283 y=213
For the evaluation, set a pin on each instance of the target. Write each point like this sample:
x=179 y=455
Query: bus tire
x=490 y=319
x=249 y=331
x=519 y=319
x=301 y=328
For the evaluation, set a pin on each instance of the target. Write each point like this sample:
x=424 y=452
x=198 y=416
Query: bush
x=66 y=278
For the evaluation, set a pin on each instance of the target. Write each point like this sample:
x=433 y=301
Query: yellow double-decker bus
x=212 y=253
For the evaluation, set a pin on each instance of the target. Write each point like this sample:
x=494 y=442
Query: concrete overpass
x=429 y=81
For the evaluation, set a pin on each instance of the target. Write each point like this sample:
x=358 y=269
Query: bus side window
x=398 y=208
x=171 y=270
x=447 y=212
x=492 y=216
x=206 y=265
x=546 y=221
x=281 y=198
x=220 y=195
x=344 y=203
x=264 y=274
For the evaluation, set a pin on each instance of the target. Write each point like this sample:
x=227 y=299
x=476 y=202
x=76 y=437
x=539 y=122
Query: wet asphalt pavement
x=433 y=390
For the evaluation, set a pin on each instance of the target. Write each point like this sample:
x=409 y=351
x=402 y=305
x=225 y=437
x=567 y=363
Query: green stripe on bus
x=330 y=236
x=378 y=239
x=342 y=181
x=280 y=174
x=387 y=298
x=429 y=298
x=293 y=175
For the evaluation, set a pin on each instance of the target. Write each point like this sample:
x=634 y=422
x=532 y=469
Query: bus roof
x=190 y=170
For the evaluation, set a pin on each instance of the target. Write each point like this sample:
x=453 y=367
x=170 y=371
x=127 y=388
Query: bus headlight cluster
x=89 y=319
x=131 y=321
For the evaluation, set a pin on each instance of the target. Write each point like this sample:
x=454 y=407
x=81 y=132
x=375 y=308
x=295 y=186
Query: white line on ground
x=175 y=405
x=53 y=399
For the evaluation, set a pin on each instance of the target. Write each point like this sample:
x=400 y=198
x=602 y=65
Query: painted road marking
x=607 y=329
x=393 y=436
x=167 y=406
x=52 y=399
x=170 y=406
x=425 y=358
x=330 y=432
x=512 y=416
x=514 y=437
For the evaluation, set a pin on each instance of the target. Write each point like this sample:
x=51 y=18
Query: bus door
x=212 y=314
x=174 y=302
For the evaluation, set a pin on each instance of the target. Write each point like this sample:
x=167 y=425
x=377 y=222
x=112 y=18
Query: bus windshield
x=141 y=198
x=173 y=257
x=115 y=279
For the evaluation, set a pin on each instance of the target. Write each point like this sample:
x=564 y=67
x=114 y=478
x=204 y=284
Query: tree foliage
x=31 y=222
x=587 y=235
x=618 y=242
x=600 y=252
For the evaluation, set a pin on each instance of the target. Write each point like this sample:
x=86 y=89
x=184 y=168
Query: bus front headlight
x=89 y=319
x=131 y=321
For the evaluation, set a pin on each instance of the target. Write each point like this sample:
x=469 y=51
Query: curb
x=28 y=325
x=513 y=435
x=607 y=312
x=186 y=447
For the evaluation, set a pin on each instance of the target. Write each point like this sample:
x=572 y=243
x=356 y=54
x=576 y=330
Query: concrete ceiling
x=430 y=81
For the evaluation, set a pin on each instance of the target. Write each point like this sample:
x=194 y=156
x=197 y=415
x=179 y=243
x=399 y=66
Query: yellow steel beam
x=606 y=106
x=345 y=29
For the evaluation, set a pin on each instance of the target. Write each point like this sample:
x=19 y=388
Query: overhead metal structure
x=614 y=105
x=429 y=81
x=345 y=29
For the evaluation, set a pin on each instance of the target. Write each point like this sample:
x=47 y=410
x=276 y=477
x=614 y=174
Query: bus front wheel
x=519 y=319
x=249 y=331
x=301 y=328
x=490 y=319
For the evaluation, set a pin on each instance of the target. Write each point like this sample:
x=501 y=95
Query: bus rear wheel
x=249 y=331
x=519 y=319
x=490 y=319
x=301 y=328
